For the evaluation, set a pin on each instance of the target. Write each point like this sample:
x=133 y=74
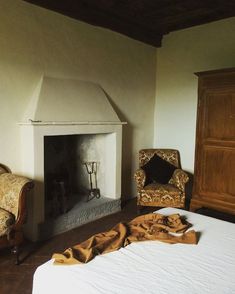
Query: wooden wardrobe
x=214 y=172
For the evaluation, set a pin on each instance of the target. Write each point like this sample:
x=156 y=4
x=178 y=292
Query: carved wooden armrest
x=140 y=178
x=179 y=179
x=22 y=213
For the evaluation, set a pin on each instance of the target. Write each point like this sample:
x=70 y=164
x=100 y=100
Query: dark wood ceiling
x=144 y=20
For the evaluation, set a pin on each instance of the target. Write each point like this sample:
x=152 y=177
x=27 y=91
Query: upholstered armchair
x=170 y=191
x=13 y=190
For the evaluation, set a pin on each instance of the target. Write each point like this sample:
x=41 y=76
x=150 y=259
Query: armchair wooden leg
x=16 y=252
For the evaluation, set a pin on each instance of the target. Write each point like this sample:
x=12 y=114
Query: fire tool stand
x=91 y=168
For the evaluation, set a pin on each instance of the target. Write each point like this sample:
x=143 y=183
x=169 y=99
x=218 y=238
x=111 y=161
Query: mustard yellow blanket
x=151 y=226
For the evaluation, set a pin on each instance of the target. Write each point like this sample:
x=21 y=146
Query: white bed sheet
x=152 y=267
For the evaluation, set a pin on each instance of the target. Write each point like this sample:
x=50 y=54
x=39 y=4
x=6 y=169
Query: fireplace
x=61 y=131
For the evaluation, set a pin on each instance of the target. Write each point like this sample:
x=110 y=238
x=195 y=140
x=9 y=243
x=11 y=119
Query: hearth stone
x=82 y=213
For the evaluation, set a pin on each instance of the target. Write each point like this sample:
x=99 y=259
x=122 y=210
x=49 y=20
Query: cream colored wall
x=35 y=41
x=201 y=48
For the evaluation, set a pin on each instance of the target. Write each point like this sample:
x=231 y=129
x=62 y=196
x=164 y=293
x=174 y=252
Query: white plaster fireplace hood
x=67 y=107
x=67 y=101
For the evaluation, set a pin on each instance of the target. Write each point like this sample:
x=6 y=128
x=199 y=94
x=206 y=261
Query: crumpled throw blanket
x=150 y=226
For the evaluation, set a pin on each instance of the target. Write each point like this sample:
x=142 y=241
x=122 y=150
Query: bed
x=153 y=267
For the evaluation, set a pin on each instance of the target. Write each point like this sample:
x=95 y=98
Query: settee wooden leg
x=16 y=252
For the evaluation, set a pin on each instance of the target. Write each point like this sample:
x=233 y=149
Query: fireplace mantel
x=67 y=123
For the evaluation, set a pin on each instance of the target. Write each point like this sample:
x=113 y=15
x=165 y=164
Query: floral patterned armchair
x=156 y=194
x=13 y=190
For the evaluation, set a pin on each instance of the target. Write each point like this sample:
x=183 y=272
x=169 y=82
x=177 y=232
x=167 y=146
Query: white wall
x=201 y=48
x=35 y=41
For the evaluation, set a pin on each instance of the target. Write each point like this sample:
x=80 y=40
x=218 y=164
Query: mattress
x=151 y=266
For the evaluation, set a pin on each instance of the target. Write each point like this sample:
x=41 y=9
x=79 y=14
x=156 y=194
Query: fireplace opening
x=70 y=161
x=74 y=171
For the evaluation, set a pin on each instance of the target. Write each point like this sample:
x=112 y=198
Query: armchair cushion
x=158 y=170
x=7 y=219
x=160 y=195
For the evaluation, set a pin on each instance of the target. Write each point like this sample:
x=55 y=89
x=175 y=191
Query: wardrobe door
x=214 y=174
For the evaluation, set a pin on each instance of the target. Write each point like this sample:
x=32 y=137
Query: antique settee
x=13 y=189
x=160 y=180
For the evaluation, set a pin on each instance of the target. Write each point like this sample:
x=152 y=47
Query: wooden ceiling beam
x=82 y=11
x=143 y=20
